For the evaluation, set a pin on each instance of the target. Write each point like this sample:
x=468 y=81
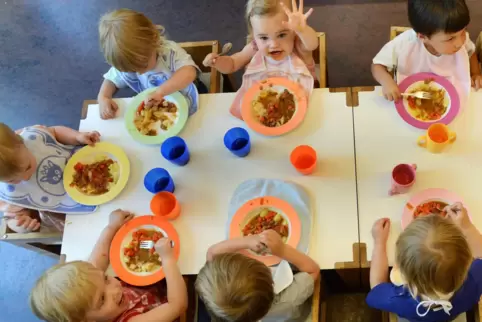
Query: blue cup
x=175 y=150
x=237 y=141
x=157 y=180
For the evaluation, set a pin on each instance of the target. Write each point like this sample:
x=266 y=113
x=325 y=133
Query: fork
x=420 y=94
x=148 y=244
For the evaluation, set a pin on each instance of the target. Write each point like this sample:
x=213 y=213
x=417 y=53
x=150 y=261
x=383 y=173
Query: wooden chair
x=198 y=51
x=395 y=31
x=478 y=48
x=44 y=243
x=319 y=55
x=316 y=304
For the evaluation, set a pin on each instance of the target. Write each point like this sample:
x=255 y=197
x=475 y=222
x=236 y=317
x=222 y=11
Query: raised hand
x=296 y=17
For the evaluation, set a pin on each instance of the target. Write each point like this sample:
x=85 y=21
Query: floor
x=50 y=62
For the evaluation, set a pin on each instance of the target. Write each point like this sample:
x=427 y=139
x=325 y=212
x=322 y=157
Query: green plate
x=183 y=112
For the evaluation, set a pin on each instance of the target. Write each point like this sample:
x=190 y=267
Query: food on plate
x=267 y=219
x=430 y=207
x=428 y=109
x=95 y=178
x=274 y=109
x=154 y=115
x=142 y=260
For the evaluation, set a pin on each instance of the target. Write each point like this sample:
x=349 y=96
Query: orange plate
x=278 y=82
x=240 y=220
x=124 y=236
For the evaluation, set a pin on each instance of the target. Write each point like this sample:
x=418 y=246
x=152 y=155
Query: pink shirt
x=408 y=55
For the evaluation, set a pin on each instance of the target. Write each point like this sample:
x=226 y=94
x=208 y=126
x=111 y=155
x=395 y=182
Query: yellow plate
x=90 y=154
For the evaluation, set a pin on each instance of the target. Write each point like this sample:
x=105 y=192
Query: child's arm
x=179 y=80
x=100 y=254
x=379 y=264
x=252 y=242
x=303 y=262
x=66 y=135
x=297 y=23
x=389 y=87
x=107 y=106
x=230 y=64
x=459 y=215
x=176 y=289
x=475 y=72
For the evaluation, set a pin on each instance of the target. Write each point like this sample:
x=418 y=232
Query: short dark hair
x=428 y=17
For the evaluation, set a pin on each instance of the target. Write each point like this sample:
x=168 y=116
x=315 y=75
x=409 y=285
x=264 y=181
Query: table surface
x=205 y=186
x=383 y=140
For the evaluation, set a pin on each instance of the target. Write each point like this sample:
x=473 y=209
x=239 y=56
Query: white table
x=384 y=140
x=205 y=186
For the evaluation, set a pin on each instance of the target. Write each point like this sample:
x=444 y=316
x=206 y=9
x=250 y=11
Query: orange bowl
x=303 y=158
x=165 y=205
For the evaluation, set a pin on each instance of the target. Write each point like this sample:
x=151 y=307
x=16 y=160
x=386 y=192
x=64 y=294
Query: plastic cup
x=175 y=150
x=237 y=141
x=303 y=158
x=157 y=180
x=403 y=178
x=165 y=204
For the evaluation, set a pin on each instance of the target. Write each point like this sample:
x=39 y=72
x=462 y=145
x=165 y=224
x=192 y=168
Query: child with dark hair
x=438 y=43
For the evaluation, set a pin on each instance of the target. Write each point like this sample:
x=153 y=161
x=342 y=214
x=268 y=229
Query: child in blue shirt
x=435 y=258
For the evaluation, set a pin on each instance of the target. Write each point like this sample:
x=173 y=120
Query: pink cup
x=403 y=178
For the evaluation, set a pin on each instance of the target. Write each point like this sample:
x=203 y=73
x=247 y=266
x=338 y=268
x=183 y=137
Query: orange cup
x=303 y=158
x=164 y=204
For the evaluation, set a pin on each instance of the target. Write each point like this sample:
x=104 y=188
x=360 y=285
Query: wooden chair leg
x=315 y=304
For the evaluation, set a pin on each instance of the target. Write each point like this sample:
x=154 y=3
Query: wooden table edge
x=354 y=93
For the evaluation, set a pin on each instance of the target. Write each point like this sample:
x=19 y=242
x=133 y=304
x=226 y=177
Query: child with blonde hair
x=440 y=278
x=81 y=291
x=281 y=45
x=438 y=43
x=236 y=288
x=141 y=58
x=32 y=161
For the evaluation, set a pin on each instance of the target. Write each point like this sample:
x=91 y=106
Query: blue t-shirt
x=397 y=299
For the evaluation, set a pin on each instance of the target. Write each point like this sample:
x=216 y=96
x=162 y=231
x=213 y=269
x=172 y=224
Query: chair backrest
x=478 y=47
x=319 y=55
x=198 y=51
x=395 y=31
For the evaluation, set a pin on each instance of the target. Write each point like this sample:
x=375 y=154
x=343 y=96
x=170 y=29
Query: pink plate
x=425 y=196
x=453 y=108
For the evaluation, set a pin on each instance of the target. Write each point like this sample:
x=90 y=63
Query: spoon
x=226 y=48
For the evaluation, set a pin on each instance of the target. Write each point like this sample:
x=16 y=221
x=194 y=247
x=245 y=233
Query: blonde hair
x=478 y=48
x=9 y=143
x=235 y=288
x=64 y=293
x=262 y=8
x=433 y=256
x=128 y=39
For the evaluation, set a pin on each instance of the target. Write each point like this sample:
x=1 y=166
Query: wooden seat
x=44 y=243
x=198 y=51
x=319 y=55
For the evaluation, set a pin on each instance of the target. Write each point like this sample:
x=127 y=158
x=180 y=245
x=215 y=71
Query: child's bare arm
x=230 y=64
x=178 y=81
x=303 y=262
x=308 y=38
x=100 y=254
x=176 y=289
x=475 y=72
x=233 y=245
x=107 y=90
x=379 y=264
x=66 y=135
x=459 y=215
x=390 y=87
x=107 y=106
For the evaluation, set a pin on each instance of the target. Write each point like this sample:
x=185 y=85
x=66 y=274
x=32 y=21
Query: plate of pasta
x=264 y=213
x=427 y=202
x=443 y=107
x=136 y=266
x=155 y=121
x=96 y=174
x=274 y=106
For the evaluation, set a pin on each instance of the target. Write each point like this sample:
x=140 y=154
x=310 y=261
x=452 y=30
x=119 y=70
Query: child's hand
x=273 y=241
x=90 y=138
x=210 y=60
x=164 y=248
x=391 y=91
x=477 y=82
x=107 y=108
x=296 y=18
x=381 y=230
x=255 y=244
x=221 y=63
x=157 y=95
x=459 y=215
x=28 y=223
x=119 y=217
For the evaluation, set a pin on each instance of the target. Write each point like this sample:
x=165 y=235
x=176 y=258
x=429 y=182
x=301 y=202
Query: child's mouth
x=276 y=53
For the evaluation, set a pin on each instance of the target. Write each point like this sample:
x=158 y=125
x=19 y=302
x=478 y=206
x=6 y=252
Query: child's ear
x=422 y=37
